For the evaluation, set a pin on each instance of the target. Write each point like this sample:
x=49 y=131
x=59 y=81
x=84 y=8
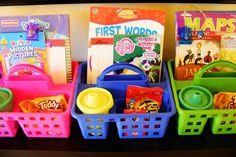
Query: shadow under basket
x=95 y=126
x=193 y=122
x=44 y=125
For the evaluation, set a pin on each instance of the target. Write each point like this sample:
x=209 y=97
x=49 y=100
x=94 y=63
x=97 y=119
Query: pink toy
x=54 y=125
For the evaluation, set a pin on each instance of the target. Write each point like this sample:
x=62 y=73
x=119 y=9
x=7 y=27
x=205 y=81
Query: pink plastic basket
x=47 y=125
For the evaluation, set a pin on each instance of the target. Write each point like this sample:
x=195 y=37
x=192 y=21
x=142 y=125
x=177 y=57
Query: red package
x=143 y=99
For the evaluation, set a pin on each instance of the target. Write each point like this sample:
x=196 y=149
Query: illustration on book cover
x=202 y=38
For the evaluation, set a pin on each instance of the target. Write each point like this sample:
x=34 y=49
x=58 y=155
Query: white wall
x=79 y=18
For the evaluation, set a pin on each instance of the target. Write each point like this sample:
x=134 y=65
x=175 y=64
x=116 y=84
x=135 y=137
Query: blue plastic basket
x=128 y=125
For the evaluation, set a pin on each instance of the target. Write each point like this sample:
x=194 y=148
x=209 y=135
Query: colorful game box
x=144 y=51
x=105 y=22
x=56 y=29
x=202 y=37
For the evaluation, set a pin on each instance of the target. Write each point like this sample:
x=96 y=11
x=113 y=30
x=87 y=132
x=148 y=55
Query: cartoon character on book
x=189 y=57
x=151 y=67
x=208 y=58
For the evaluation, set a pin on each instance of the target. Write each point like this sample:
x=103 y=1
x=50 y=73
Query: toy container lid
x=95 y=101
x=195 y=97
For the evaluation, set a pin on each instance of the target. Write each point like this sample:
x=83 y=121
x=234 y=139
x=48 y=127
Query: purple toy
x=32 y=31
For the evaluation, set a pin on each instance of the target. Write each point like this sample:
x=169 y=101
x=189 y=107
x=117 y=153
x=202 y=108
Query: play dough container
x=194 y=97
x=5 y=100
x=95 y=101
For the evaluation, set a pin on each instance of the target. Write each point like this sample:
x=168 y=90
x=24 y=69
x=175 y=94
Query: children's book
x=105 y=22
x=202 y=37
x=56 y=27
x=15 y=49
x=142 y=51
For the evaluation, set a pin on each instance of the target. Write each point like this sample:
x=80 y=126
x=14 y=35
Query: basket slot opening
x=134 y=126
x=199 y=123
x=95 y=134
x=38 y=132
x=98 y=127
x=157 y=126
x=135 y=119
x=32 y=118
x=59 y=133
x=220 y=130
x=99 y=120
x=146 y=126
x=26 y=125
x=134 y=134
x=123 y=119
x=35 y=126
x=192 y=116
x=232 y=122
x=196 y=130
x=45 y=126
x=5 y=132
x=1 y=118
x=156 y=133
x=125 y=134
x=88 y=120
x=158 y=119
x=90 y=127
x=190 y=123
x=21 y=118
x=57 y=126
x=10 y=118
x=48 y=132
x=225 y=115
x=29 y=132
x=54 y=118
x=145 y=134
x=2 y=126
x=203 y=116
x=223 y=122
x=42 y=118
x=124 y=126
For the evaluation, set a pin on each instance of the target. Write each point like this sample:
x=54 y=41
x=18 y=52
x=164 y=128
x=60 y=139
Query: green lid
x=5 y=99
x=195 y=97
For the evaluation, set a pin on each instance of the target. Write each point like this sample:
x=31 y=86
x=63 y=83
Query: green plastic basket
x=192 y=122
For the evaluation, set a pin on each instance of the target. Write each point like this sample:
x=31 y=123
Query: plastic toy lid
x=95 y=101
x=5 y=97
x=195 y=97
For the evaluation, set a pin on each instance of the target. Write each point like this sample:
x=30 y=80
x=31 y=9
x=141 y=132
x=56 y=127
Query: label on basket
x=44 y=104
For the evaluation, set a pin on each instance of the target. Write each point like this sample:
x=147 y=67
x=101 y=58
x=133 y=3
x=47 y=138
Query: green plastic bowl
x=5 y=100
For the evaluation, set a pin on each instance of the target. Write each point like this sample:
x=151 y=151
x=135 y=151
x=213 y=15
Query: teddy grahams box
x=144 y=51
x=105 y=22
x=202 y=37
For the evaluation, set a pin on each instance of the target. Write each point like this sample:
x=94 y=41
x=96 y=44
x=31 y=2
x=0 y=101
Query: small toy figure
x=32 y=31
